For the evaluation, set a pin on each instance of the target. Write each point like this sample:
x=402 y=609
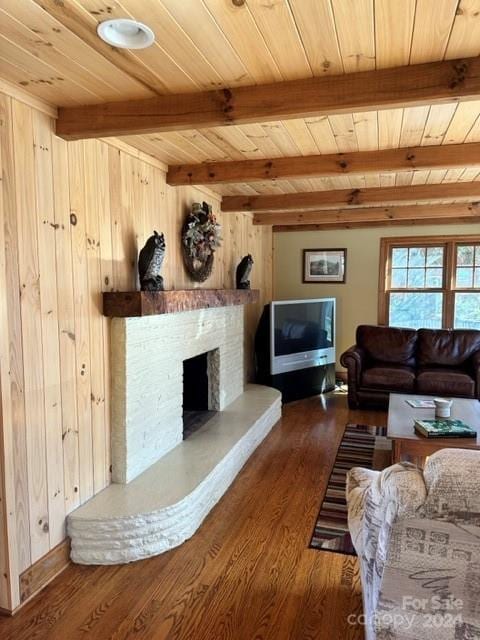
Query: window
x=430 y=282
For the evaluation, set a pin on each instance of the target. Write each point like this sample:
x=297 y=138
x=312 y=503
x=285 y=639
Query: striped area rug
x=361 y=446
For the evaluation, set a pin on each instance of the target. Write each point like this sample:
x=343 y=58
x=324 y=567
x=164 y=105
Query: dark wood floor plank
x=247 y=574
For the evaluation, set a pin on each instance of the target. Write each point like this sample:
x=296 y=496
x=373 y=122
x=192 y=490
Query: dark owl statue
x=243 y=272
x=150 y=262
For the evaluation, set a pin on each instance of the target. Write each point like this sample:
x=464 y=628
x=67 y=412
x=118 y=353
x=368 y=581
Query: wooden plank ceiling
x=50 y=48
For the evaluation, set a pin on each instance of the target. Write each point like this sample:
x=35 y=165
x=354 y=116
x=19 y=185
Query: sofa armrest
x=377 y=499
x=452 y=478
x=475 y=363
x=353 y=359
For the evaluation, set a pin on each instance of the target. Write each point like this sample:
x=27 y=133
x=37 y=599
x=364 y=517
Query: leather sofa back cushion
x=388 y=344
x=446 y=348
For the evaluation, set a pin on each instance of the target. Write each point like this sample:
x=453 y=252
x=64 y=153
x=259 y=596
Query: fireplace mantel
x=130 y=304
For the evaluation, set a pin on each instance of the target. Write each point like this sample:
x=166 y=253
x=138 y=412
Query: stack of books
x=444 y=428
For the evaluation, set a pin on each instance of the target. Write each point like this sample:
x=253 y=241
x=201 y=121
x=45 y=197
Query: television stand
x=302 y=383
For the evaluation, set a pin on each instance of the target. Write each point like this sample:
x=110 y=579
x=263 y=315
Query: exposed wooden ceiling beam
x=417 y=222
x=468 y=212
x=420 y=84
x=335 y=164
x=352 y=197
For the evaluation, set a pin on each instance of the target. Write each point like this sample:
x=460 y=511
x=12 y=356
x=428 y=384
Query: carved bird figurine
x=243 y=272
x=150 y=262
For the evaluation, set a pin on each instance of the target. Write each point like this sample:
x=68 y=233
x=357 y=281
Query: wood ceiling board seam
x=175 y=40
x=231 y=19
x=273 y=18
x=343 y=129
x=194 y=144
x=355 y=28
x=464 y=38
x=40 y=21
x=366 y=130
x=194 y=20
x=16 y=75
x=48 y=74
x=198 y=138
x=390 y=128
x=263 y=145
x=462 y=122
x=321 y=131
x=438 y=121
x=298 y=129
x=394 y=20
x=48 y=53
x=426 y=45
x=182 y=149
x=413 y=125
x=323 y=54
x=474 y=133
x=281 y=138
x=165 y=68
x=161 y=64
x=153 y=149
x=75 y=19
x=214 y=135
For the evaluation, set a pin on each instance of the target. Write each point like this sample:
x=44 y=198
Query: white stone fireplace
x=147 y=386
x=164 y=486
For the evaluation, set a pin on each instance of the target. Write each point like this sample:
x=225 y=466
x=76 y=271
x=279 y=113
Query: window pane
x=477 y=255
x=435 y=257
x=416 y=310
x=399 y=257
x=434 y=278
x=416 y=278
x=464 y=277
x=467 y=311
x=416 y=257
x=465 y=256
x=399 y=278
x=477 y=278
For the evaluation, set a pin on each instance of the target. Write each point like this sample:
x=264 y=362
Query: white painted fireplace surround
x=148 y=355
x=163 y=487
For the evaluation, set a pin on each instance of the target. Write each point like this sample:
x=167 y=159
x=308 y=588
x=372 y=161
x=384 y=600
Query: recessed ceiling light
x=126 y=34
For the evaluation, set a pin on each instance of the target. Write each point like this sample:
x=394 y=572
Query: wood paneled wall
x=72 y=218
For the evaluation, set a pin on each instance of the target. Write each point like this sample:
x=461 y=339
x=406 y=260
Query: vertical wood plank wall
x=72 y=219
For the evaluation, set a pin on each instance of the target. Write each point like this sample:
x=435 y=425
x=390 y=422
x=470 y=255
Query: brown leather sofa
x=428 y=361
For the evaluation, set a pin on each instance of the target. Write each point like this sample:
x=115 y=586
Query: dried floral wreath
x=200 y=238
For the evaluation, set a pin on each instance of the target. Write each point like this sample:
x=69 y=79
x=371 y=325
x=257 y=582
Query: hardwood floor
x=247 y=574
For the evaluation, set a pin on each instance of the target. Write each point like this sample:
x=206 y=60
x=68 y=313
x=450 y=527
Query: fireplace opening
x=197 y=396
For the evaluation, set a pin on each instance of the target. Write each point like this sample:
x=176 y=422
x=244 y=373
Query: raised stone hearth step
x=166 y=504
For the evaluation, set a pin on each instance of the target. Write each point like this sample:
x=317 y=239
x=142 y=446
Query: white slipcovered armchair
x=417 y=536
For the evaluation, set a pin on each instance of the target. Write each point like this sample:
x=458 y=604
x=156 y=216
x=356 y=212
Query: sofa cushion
x=445 y=347
x=450 y=382
x=388 y=344
x=389 y=376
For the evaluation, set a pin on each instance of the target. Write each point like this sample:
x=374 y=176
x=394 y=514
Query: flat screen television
x=302 y=334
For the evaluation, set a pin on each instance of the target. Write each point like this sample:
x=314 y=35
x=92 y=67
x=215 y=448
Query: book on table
x=420 y=404
x=444 y=428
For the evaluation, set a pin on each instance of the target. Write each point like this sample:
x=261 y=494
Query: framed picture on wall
x=324 y=265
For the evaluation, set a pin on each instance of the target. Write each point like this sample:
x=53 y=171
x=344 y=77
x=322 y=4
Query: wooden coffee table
x=405 y=442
